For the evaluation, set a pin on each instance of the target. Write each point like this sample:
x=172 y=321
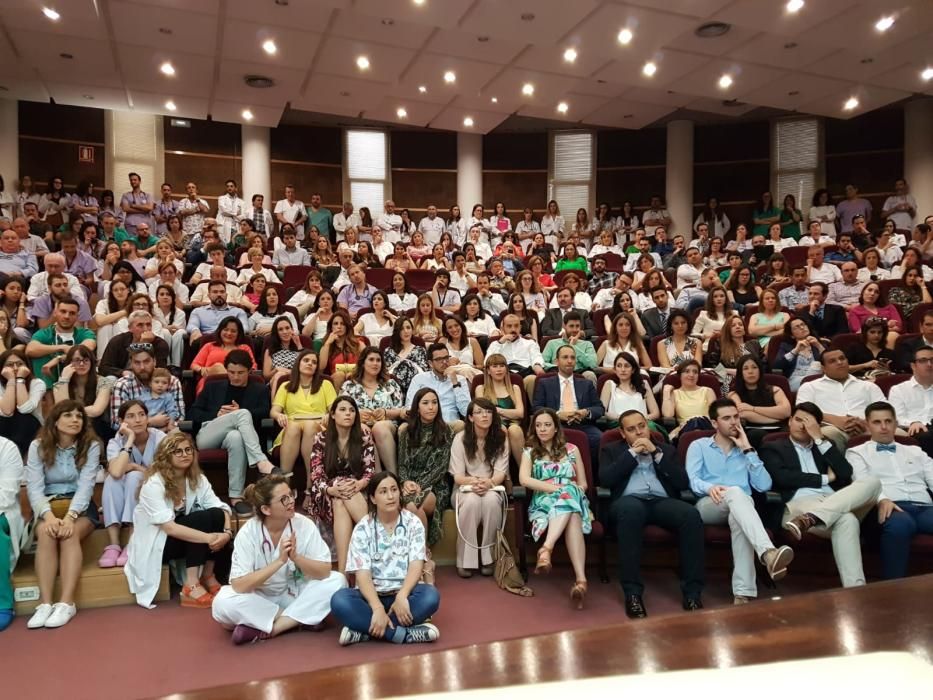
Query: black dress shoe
x=693 y=604
x=634 y=607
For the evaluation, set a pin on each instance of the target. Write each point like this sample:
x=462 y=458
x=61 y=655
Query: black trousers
x=20 y=428
x=926 y=440
x=195 y=553
x=630 y=514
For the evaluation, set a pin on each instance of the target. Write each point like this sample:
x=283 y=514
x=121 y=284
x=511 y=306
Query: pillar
x=679 y=177
x=256 y=164
x=469 y=171
x=918 y=154
x=9 y=144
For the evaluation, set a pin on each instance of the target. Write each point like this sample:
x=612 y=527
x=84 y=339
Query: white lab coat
x=12 y=474
x=230 y=210
x=143 y=568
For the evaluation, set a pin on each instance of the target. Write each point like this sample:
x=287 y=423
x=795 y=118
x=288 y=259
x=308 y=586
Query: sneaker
x=741 y=600
x=799 y=525
x=61 y=615
x=776 y=561
x=39 y=617
x=419 y=634
x=243 y=509
x=348 y=637
x=244 y=634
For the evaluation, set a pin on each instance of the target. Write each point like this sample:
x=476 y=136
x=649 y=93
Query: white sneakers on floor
x=51 y=616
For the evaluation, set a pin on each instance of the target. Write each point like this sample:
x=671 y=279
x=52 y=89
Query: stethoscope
x=292 y=571
x=398 y=534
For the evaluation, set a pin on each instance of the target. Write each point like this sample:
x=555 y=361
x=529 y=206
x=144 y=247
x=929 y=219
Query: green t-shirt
x=49 y=336
x=322 y=218
x=766 y=214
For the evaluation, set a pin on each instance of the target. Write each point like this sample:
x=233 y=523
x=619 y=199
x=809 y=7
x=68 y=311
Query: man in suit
x=574 y=398
x=553 y=321
x=815 y=483
x=225 y=415
x=655 y=320
x=646 y=481
x=826 y=320
x=904 y=351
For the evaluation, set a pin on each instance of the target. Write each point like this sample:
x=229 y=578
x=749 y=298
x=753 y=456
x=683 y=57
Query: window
x=796 y=163
x=366 y=179
x=571 y=172
x=134 y=144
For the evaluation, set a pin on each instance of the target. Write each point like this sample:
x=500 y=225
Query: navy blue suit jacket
x=547 y=395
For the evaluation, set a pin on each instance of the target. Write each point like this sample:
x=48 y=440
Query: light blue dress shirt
x=453 y=400
x=708 y=466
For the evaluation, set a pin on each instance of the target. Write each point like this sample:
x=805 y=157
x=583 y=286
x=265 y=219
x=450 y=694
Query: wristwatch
x=72 y=514
x=229 y=531
x=747 y=450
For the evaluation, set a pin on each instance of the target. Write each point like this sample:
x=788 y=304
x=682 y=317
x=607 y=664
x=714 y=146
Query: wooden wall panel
x=208 y=172
x=416 y=189
x=423 y=149
x=519 y=151
x=624 y=147
x=44 y=159
x=516 y=189
x=635 y=185
x=733 y=141
x=882 y=129
x=79 y=124
x=310 y=144
x=217 y=138
x=306 y=178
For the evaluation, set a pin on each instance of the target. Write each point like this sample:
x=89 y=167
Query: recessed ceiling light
x=167 y=69
x=269 y=47
x=51 y=14
x=562 y=107
x=247 y=115
x=422 y=89
x=649 y=69
x=362 y=63
x=528 y=89
x=794 y=5
x=388 y=21
x=170 y=106
x=528 y=17
x=450 y=77
x=850 y=104
x=625 y=36
x=468 y=122
x=401 y=112
x=418 y=2
x=725 y=82
x=884 y=24
x=711 y=30
x=927 y=74
x=67 y=56
x=165 y=30
x=494 y=100
x=570 y=55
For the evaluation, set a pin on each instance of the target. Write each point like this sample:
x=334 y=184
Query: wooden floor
x=889 y=616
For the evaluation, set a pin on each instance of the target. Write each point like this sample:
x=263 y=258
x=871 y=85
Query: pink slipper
x=124 y=556
x=109 y=558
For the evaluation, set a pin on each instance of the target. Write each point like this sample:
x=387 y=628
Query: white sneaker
x=348 y=637
x=39 y=617
x=61 y=614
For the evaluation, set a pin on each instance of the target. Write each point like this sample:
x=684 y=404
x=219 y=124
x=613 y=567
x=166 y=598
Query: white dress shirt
x=431 y=229
x=827 y=272
x=688 y=274
x=654 y=215
x=39 y=285
x=891 y=255
x=912 y=403
x=901 y=219
x=865 y=275
x=391 y=226
x=823 y=240
x=808 y=466
x=905 y=474
x=342 y=223
x=848 y=398
x=521 y=351
x=897 y=272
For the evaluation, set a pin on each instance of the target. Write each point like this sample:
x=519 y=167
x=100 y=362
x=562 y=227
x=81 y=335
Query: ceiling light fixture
x=167 y=69
x=401 y=112
x=725 y=82
x=450 y=77
x=51 y=14
x=927 y=74
x=362 y=63
x=625 y=36
x=850 y=104
x=570 y=55
x=884 y=24
x=468 y=122
x=649 y=69
x=562 y=107
x=494 y=100
x=711 y=30
x=418 y=2
x=269 y=47
x=794 y=6
x=170 y=106
x=247 y=115
x=422 y=89
x=528 y=89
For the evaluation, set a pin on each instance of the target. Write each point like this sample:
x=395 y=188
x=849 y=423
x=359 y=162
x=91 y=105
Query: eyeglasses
x=924 y=361
x=287 y=499
x=80 y=360
x=183 y=451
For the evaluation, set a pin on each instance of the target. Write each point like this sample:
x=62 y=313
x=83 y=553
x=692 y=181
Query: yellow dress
x=690 y=404
x=303 y=403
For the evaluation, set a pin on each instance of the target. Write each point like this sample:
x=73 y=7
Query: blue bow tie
x=886 y=448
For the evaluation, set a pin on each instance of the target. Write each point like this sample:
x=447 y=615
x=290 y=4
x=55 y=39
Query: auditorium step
x=97 y=588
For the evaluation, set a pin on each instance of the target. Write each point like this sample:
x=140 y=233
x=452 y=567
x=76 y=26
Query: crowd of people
x=407 y=369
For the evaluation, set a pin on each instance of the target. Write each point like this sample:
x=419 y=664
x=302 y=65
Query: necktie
x=885 y=448
x=566 y=396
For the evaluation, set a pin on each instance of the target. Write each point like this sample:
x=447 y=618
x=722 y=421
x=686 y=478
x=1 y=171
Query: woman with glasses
x=20 y=399
x=280 y=576
x=178 y=517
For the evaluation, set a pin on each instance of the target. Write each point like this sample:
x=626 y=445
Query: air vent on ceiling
x=710 y=30
x=258 y=81
x=732 y=103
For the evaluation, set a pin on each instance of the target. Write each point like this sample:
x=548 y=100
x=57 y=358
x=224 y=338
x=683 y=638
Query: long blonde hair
x=419 y=320
x=489 y=388
x=162 y=465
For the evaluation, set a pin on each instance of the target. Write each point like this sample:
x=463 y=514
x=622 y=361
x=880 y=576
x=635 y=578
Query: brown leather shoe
x=777 y=560
x=798 y=526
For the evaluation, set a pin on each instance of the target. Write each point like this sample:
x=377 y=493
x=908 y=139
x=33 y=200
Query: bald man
x=390 y=223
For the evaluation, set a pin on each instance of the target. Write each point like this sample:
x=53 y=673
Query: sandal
x=211 y=585
x=427 y=574
x=578 y=593
x=543 y=566
x=187 y=601
x=110 y=556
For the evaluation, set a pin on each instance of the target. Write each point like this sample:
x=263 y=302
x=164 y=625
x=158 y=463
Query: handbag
x=60 y=506
x=506 y=573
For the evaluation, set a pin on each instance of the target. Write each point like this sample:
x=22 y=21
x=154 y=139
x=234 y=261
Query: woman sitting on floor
x=280 y=575
x=387 y=554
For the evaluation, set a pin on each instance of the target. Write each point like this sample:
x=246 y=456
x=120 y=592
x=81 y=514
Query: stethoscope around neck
x=267 y=540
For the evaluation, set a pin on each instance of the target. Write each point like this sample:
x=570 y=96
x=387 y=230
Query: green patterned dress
x=427 y=466
x=568 y=499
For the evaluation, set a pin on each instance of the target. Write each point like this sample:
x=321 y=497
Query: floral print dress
x=317 y=503
x=569 y=498
x=404 y=369
x=427 y=466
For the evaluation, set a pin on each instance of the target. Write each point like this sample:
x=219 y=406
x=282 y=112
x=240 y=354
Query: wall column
x=469 y=171
x=9 y=144
x=256 y=164
x=679 y=177
x=918 y=154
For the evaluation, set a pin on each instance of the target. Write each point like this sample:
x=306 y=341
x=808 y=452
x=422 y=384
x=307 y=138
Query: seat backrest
x=295 y=275
x=706 y=379
x=380 y=277
x=419 y=280
x=582 y=443
x=686 y=439
x=774 y=437
x=887 y=381
x=599 y=322
x=795 y=255
x=653 y=350
x=844 y=340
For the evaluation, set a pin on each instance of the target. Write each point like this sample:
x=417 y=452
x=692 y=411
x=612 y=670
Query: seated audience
x=178 y=517
x=304 y=299
x=873 y=304
x=769 y=321
x=529 y=325
x=172 y=318
x=48 y=346
x=116 y=359
x=377 y=324
x=909 y=399
x=713 y=317
x=318 y=321
x=579 y=297
x=465 y=352
x=571 y=335
x=820 y=271
x=762 y=406
x=870 y=357
x=911 y=292
x=826 y=320
x=163 y=397
x=205 y=319
x=799 y=354
x=357 y=295
x=341 y=348
x=400 y=298
x=268 y=309
x=61 y=469
x=478 y=323
x=913 y=257
x=688 y=404
x=403 y=358
x=211 y=356
x=498 y=389
x=872 y=270
x=21 y=395
x=452 y=390
x=623 y=337
x=679 y=346
x=281 y=350
x=110 y=310
x=627 y=390
x=427 y=324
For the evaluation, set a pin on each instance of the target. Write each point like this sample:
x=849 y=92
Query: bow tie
x=886 y=448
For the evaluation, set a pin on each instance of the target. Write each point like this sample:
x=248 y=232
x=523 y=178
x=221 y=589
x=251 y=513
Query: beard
x=218 y=301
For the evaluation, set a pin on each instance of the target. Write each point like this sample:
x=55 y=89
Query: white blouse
x=374 y=331
x=401 y=304
x=482 y=326
x=552 y=227
x=827 y=227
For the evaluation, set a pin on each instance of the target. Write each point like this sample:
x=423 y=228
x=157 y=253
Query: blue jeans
x=350 y=607
x=897 y=532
